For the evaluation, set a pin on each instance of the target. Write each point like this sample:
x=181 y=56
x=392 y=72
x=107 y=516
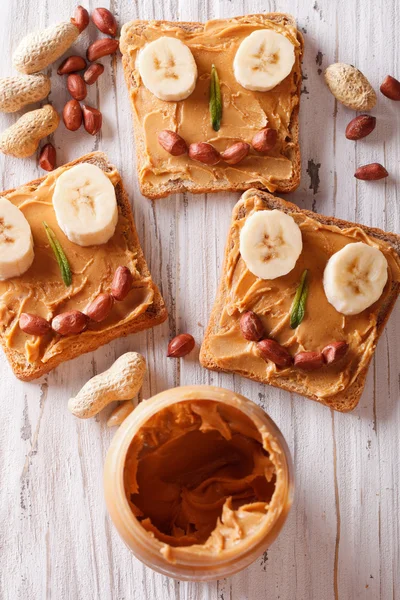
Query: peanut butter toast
x=40 y=291
x=323 y=355
x=244 y=112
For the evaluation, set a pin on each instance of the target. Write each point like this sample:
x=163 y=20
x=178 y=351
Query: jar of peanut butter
x=198 y=482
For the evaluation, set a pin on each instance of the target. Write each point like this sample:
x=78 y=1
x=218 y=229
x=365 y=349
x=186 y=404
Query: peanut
x=180 y=345
x=33 y=324
x=121 y=381
x=264 y=140
x=271 y=350
x=69 y=323
x=204 y=153
x=76 y=86
x=371 y=172
x=72 y=115
x=251 y=326
x=21 y=90
x=48 y=156
x=334 y=352
x=92 y=119
x=122 y=283
x=100 y=308
x=22 y=139
x=350 y=86
x=92 y=73
x=80 y=18
x=360 y=127
x=104 y=21
x=235 y=153
x=172 y=142
x=390 y=87
x=72 y=64
x=309 y=361
x=38 y=50
x=102 y=47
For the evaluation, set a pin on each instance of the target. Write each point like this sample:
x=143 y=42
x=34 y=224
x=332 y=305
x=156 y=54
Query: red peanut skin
x=69 y=323
x=41 y=326
x=271 y=350
x=100 y=308
x=80 y=18
x=264 y=140
x=48 y=157
x=181 y=345
x=251 y=326
x=371 y=172
x=390 y=87
x=121 y=283
x=360 y=127
x=315 y=361
x=334 y=352
x=105 y=21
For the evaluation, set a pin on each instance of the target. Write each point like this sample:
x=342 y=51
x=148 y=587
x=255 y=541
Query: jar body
x=185 y=565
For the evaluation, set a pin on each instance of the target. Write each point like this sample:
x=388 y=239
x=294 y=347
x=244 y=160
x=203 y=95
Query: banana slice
x=16 y=243
x=263 y=60
x=168 y=69
x=354 y=278
x=85 y=205
x=270 y=243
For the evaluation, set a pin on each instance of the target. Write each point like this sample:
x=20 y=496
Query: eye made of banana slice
x=16 y=242
x=354 y=278
x=263 y=59
x=270 y=243
x=85 y=205
x=168 y=69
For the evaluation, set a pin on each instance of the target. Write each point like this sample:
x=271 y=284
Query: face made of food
x=40 y=289
x=245 y=110
x=347 y=271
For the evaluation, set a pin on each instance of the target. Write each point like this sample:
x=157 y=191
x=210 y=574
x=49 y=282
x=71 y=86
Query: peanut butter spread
x=199 y=473
x=271 y=300
x=41 y=290
x=245 y=112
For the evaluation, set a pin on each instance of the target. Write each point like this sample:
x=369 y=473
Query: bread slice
x=75 y=345
x=347 y=398
x=159 y=179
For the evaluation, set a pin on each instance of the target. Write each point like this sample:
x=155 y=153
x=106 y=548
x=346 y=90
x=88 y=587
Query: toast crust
x=155 y=314
x=178 y=185
x=348 y=399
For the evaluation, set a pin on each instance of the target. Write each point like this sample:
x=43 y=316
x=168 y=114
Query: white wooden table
x=342 y=537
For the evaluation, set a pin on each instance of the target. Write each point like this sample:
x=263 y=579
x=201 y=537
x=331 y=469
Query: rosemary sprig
x=215 y=100
x=299 y=303
x=59 y=254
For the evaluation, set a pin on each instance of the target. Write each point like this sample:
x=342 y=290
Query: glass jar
x=240 y=534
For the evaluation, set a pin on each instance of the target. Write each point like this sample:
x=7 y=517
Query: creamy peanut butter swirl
x=41 y=290
x=199 y=473
x=271 y=300
x=244 y=112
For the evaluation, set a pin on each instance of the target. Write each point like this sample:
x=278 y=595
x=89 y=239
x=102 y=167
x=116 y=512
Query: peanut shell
x=21 y=90
x=22 y=139
x=38 y=50
x=350 y=86
x=121 y=381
